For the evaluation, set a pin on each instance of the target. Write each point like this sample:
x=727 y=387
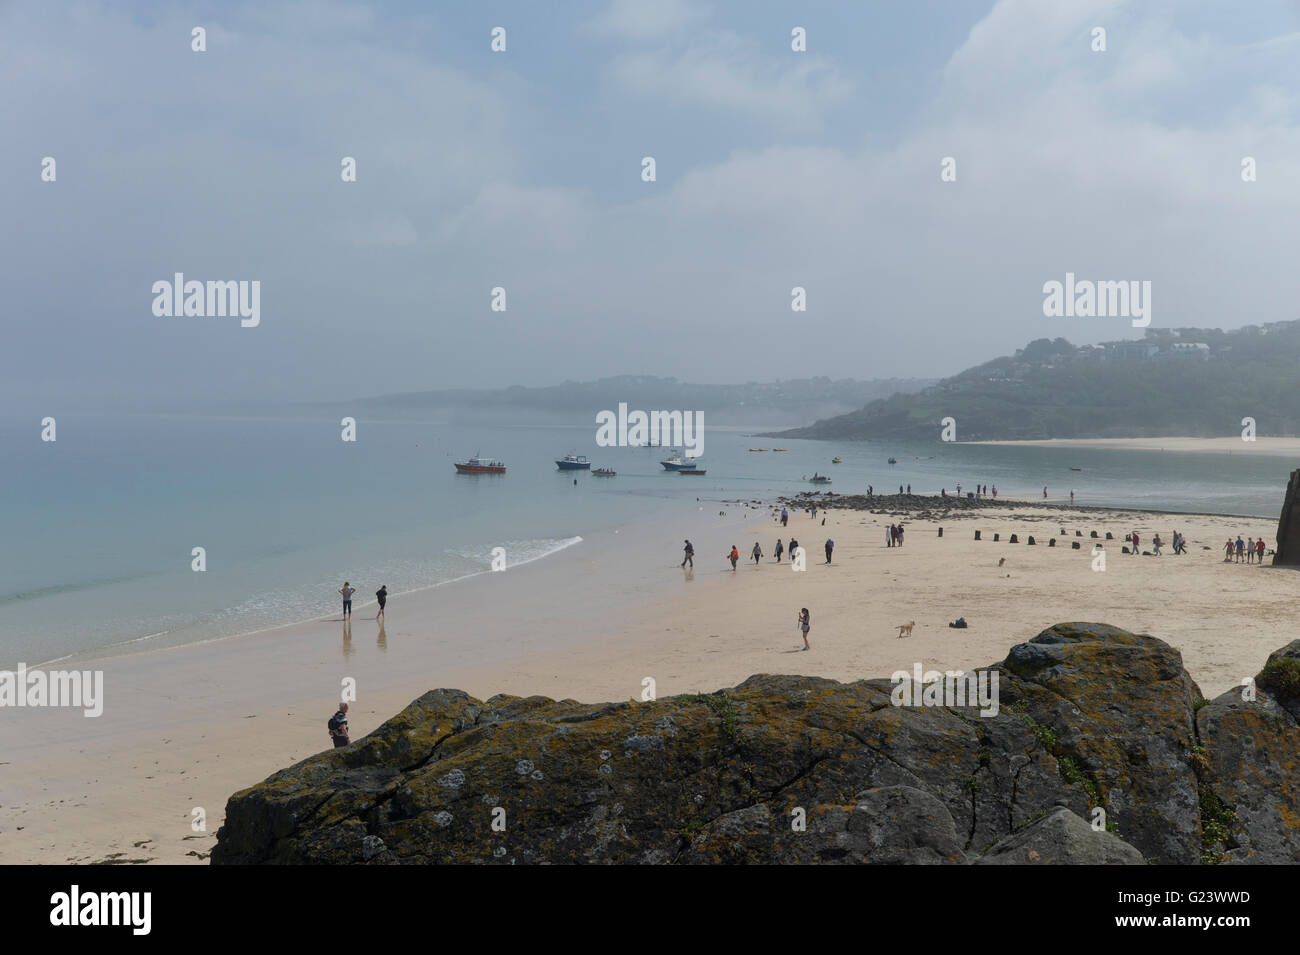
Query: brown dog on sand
x=905 y=629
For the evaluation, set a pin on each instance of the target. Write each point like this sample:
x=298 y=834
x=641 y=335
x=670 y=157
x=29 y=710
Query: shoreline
x=186 y=730
x=1262 y=445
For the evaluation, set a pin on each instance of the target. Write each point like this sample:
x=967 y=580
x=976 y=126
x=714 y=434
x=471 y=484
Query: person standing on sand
x=1133 y=538
x=1259 y=551
x=805 y=624
x=1240 y=547
x=756 y=553
x=889 y=536
x=733 y=557
x=338 y=727
x=1155 y=545
x=785 y=516
x=1250 y=550
x=900 y=535
x=347 y=590
x=779 y=550
x=382 y=595
x=1227 y=550
x=689 y=551
x=830 y=546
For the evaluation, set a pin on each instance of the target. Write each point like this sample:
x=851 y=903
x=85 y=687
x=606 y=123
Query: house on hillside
x=1191 y=350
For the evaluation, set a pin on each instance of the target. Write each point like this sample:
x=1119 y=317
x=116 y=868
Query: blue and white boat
x=573 y=462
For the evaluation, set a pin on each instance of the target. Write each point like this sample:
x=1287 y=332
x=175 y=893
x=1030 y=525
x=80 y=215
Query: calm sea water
x=99 y=526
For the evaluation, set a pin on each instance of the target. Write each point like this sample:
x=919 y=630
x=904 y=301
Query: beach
x=1235 y=444
x=185 y=727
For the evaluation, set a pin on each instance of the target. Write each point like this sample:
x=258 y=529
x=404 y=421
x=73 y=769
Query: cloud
x=639 y=20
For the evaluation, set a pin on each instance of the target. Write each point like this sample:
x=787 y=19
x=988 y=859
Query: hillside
x=1192 y=381
x=758 y=403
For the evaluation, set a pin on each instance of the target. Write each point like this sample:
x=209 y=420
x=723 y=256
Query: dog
x=905 y=629
x=1001 y=561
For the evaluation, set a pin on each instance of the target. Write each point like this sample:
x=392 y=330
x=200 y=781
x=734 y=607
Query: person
x=382 y=595
x=900 y=535
x=805 y=624
x=830 y=546
x=779 y=550
x=995 y=492
x=756 y=553
x=889 y=536
x=1250 y=550
x=900 y=489
x=814 y=512
x=347 y=590
x=338 y=726
x=792 y=547
x=1259 y=551
x=1227 y=550
x=869 y=491
x=689 y=551
x=1134 y=539
x=1044 y=493
x=909 y=489
x=1071 y=495
x=943 y=492
x=959 y=488
x=1155 y=544
x=733 y=557
x=1241 y=546
x=785 y=516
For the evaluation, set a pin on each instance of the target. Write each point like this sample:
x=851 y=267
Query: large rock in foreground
x=1097 y=754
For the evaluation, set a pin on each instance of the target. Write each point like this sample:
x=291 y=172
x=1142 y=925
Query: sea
x=100 y=526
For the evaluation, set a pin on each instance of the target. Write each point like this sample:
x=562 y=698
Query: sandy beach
x=187 y=727
x=1279 y=447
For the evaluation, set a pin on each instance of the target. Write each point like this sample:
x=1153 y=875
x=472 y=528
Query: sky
x=522 y=169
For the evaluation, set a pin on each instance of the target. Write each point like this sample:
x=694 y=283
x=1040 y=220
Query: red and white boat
x=480 y=465
x=603 y=472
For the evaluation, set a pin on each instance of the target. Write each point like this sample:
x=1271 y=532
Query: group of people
x=756 y=552
x=894 y=536
x=347 y=590
x=1251 y=549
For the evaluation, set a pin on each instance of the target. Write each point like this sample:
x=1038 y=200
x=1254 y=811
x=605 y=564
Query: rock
x=1288 y=525
x=793 y=769
x=1074 y=545
x=1061 y=838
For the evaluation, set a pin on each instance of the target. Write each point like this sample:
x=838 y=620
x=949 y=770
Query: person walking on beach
x=1155 y=545
x=1227 y=550
x=830 y=546
x=1250 y=550
x=779 y=550
x=689 y=554
x=382 y=595
x=1240 y=547
x=756 y=553
x=347 y=590
x=1259 y=551
x=805 y=624
x=1133 y=538
x=733 y=557
x=785 y=516
x=338 y=727
x=900 y=535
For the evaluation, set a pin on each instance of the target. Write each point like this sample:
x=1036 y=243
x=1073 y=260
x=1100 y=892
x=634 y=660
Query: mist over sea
x=99 y=526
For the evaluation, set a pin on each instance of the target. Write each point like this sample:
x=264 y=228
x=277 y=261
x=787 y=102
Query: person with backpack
x=338 y=727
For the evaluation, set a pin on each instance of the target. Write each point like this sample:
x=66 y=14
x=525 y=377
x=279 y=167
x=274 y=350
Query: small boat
x=893 y=460
x=758 y=449
x=836 y=461
x=573 y=462
x=1076 y=469
x=778 y=449
x=678 y=463
x=480 y=465
x=603 y=472
x=819 y=479
x=690 y=470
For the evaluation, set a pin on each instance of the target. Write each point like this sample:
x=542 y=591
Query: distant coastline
x=1281 y=447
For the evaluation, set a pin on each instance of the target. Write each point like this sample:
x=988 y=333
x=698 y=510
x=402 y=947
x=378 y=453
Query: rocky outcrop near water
x=1101 y=752
x=1288 y=525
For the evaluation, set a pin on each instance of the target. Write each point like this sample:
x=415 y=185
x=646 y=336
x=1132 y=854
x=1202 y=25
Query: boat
x=678 y=463
x=836 y=461
x=573 y=462
x=1076 y=469
x=690 y=470
x=778 y=449
x=893 y=460
x=481 y=465
x=603 y=472
x=758 y=449
x=819 y=479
